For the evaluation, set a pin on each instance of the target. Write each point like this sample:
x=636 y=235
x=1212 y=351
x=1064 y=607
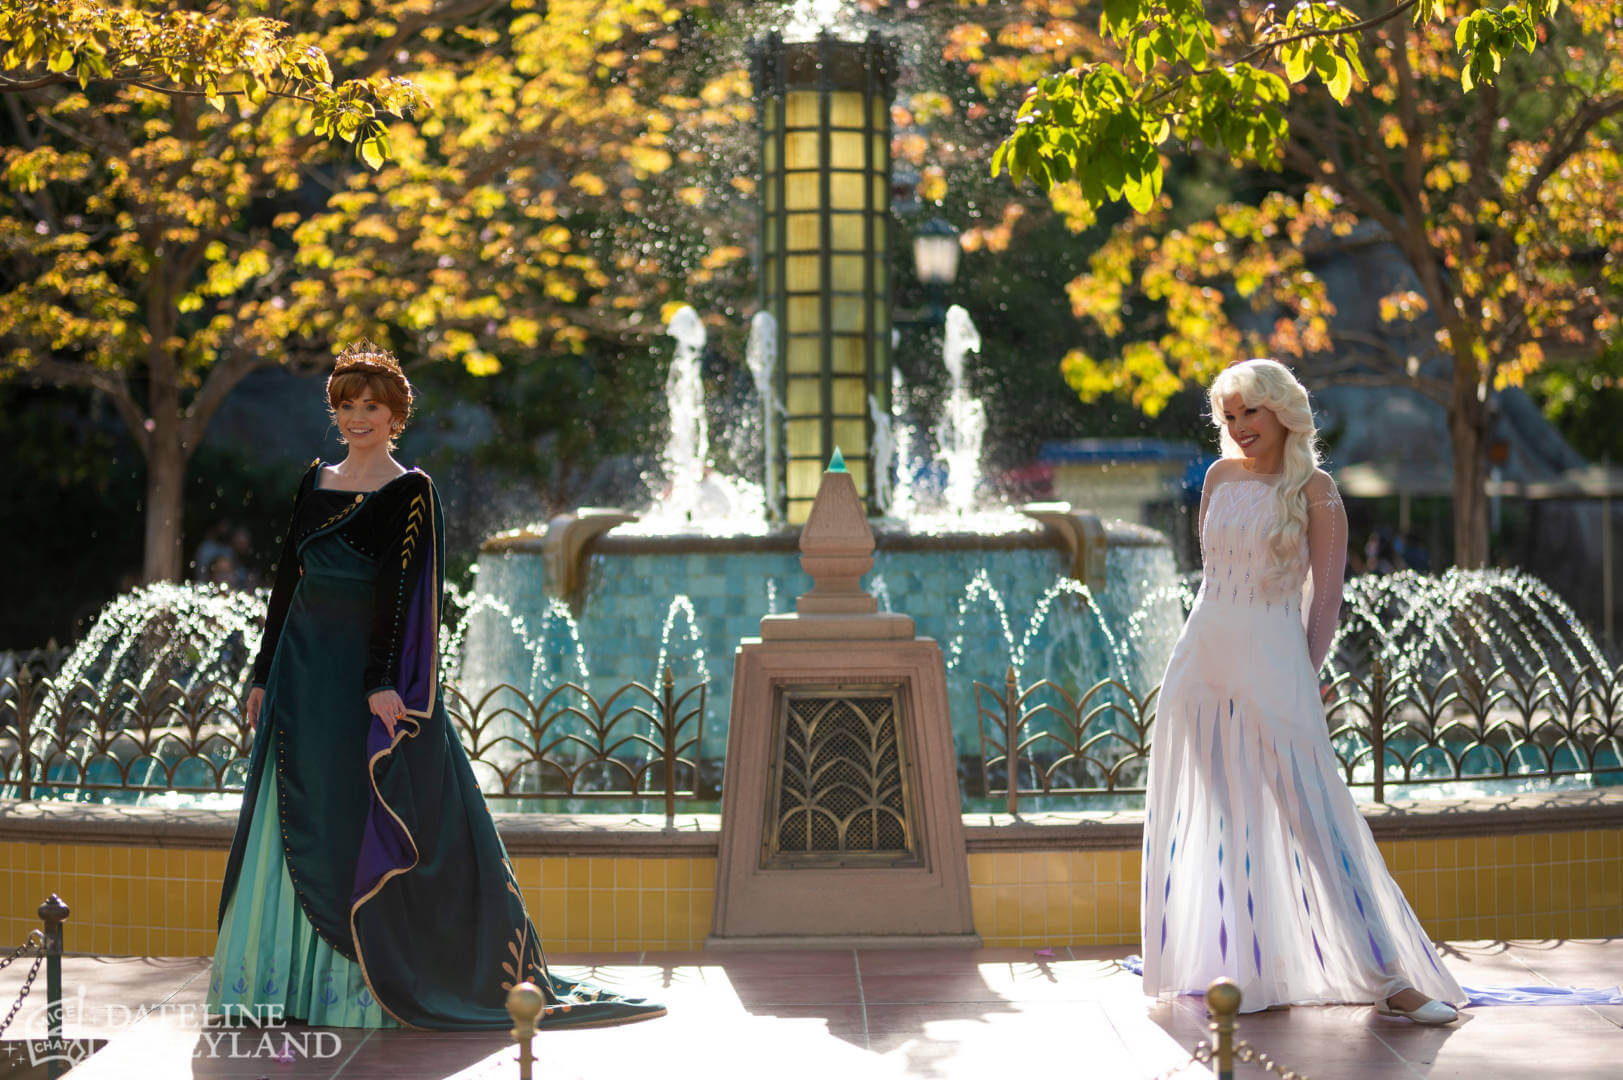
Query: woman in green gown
x=367 y=886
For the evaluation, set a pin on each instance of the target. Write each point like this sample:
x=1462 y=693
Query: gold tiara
x=364 y=356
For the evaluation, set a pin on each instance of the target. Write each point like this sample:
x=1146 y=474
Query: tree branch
x=1375 y=152
x=112 y=383
x=1414 y=175
x=1564 y=145
x=222 y=378
x=1304 y=162
x=1269 y=45
x=454 y=10
x=17 y=86
x=1335 y=31
x=1476 y=185
x=1427 y=388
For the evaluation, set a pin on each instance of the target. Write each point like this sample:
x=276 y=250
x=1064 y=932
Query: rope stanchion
x=1223 y=1007
x=524 y=1005
x=53 y=913
x=33 y=944
x=1223 y=1004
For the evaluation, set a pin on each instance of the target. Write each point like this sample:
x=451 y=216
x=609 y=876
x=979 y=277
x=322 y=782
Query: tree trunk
x=166 y=474
x=1468 y=420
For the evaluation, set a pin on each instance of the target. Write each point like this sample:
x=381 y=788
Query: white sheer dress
x=1257 y=863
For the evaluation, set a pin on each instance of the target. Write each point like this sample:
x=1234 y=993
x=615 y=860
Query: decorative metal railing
x=1464 y=726
x=636 y=743
x=644 y=743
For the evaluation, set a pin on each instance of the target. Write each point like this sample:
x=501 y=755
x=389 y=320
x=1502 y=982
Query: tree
x=1502 y=204
x=193 y=53
x=161 y=245
x=140 y=148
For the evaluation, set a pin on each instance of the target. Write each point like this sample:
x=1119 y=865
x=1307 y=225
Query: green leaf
x=1465 y=32
x=1295 y=57
x=1341 y=82
x=1138 y=194
x=1143 y=53
x=1196 y=50
x=1112 y=170
x=999 y=156
x=1027 y=158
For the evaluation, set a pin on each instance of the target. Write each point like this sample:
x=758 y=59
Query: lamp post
x=935 y=259
x=824 y=245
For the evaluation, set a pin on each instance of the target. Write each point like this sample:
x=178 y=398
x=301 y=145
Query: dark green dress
x=406 y=903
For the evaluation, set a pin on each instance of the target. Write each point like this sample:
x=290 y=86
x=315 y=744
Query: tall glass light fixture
x=825 y=239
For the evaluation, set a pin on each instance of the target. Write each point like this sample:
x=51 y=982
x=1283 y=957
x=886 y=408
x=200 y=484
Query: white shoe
x=1432 y=1013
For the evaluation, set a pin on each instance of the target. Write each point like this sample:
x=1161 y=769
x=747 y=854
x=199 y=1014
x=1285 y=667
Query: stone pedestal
x=840 y=813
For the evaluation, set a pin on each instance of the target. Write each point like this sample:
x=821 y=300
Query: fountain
x=963 y=420
x=1048 y=587
x=687 y=452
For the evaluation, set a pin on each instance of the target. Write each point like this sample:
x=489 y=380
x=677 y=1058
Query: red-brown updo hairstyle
x=365 y=368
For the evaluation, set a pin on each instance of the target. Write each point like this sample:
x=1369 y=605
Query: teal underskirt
x=270 y=957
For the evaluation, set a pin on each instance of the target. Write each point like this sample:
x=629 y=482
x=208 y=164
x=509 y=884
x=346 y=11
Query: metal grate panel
x=841 y=787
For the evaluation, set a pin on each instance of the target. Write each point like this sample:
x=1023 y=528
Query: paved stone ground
x=844 y=1015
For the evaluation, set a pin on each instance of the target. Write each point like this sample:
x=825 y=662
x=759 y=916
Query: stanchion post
x=53 y=913
x=524 y=1004
x=1223 y=1002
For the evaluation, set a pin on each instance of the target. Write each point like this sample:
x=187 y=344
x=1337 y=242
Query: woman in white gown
x=1257 y=863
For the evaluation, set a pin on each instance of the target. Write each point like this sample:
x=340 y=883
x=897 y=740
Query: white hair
x=1270 y=385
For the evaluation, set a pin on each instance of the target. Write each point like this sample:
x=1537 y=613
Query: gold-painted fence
x=637 y=742
x=1463 y=726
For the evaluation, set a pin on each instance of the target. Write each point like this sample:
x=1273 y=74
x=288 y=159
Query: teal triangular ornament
x=837 y=462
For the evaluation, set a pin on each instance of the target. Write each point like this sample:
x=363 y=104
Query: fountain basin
x=992 y=600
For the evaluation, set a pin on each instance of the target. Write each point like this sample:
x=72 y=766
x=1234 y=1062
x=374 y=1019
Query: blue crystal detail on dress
x=241 y=985
x=364 y=999
x=270 y=980
x=329 y=996
x=1380 y=961
x=1305 y=905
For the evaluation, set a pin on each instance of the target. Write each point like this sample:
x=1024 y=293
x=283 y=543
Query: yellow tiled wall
x=129 y=901
x=1055 y=897
x=1535 y=885
x=161 y=901
x=618 y=904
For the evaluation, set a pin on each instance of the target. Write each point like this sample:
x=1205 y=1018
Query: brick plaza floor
x=845 y=1015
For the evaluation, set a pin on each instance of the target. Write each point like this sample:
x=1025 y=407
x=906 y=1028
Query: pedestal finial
x=836 y=550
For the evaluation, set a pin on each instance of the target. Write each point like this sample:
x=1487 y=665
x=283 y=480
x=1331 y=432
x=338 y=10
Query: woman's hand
x=387 y=706
x=250 y=709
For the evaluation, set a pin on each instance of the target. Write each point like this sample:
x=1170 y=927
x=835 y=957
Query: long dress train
x=1257 y=863
x=367 y=885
